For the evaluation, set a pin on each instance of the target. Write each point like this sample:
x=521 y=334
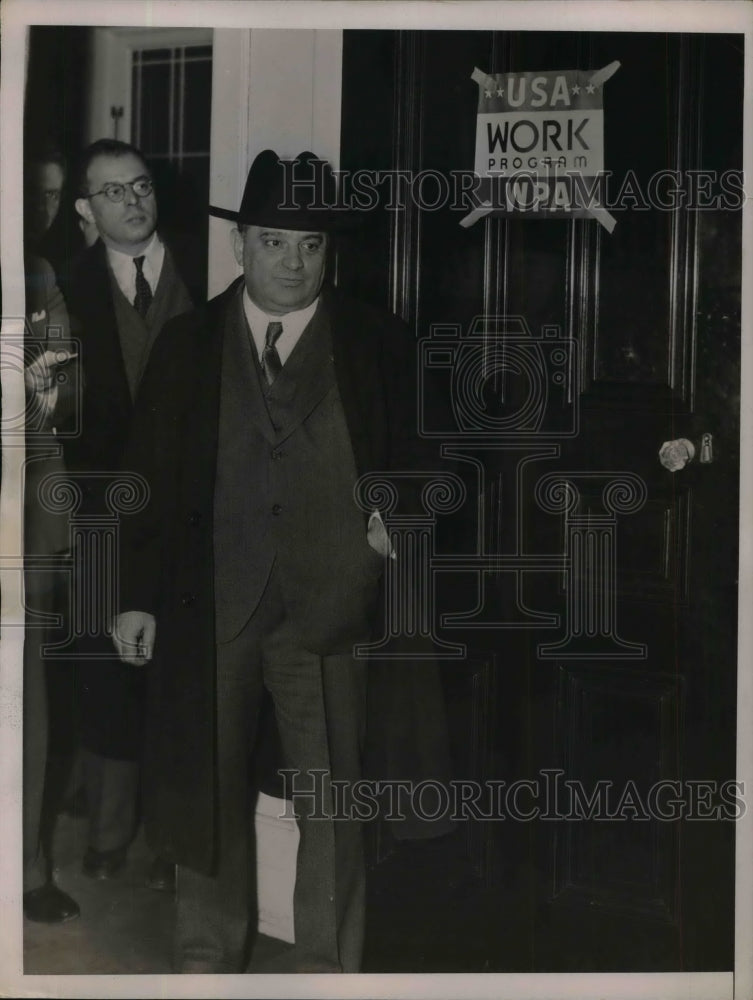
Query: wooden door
x=593 y=589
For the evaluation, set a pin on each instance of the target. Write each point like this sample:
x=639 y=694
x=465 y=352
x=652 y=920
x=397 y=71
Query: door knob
x=675 y=455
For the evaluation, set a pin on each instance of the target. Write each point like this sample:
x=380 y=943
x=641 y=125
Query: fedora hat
x=299 y=194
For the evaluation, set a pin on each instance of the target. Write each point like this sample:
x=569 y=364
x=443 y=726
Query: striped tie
x=270 y=359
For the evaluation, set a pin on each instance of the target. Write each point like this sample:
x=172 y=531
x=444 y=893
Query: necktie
x=143 y=298
x=270 y=359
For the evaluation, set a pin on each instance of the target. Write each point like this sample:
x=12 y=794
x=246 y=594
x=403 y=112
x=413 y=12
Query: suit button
x=275 y=454
x=187 y=600
x=277 y=509
x=194 y=517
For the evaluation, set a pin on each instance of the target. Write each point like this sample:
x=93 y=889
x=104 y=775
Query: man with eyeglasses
x=125 y=287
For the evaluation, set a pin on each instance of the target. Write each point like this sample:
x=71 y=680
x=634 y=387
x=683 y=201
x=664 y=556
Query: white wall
x=271 y=89
x=110 y=71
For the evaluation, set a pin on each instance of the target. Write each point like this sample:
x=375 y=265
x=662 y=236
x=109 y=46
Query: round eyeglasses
x=142 y=187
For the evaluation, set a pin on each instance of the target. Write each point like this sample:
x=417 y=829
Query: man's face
x=283 y=268
x=44 y=199
x=125 y=225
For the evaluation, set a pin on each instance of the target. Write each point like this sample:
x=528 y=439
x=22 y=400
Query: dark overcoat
x=110 y=696
x=167 y=550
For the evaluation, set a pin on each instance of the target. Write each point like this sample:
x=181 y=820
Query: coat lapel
x=200 y=405
x=102 y=353
x=354 y=351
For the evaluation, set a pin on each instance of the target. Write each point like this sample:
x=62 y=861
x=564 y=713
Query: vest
x=138 y=335
x=284 y=494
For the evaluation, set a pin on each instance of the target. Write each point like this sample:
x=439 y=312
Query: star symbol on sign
x=575 y=89
x=500 y=91
x=487 y=93
x=590 y=88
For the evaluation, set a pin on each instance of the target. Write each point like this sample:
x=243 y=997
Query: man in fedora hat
x=252 y=566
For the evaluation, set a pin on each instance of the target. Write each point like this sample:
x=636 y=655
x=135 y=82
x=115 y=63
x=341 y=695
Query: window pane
x=197 y=102
x=154 y=55
x=154 y=113
x=198 y=52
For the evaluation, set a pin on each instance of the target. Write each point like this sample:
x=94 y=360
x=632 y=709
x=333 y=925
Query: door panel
x=599 y=587
x=616 y=726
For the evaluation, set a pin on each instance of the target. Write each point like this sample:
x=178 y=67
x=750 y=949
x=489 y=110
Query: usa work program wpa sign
x=540 y=144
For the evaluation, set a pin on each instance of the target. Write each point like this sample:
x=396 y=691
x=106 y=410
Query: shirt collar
x=293 y=323
x=121 y=265
x=152 y=251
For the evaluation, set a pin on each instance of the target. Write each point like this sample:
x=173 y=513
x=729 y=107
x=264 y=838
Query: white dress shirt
x=124 y=269
x=293 y=325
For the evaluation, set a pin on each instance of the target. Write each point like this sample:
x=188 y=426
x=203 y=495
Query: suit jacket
x=288 y=449
x=167 y=550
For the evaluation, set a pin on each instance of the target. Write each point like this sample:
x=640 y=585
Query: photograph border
x=549 y=15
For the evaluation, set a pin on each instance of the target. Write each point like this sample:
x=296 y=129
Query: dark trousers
x=319 y=706
x=112 y=723
x=45 y=595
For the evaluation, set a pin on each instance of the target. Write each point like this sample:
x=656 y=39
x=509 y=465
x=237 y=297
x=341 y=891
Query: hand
x=39 y=375
x=378 y=538
x=133 y=635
